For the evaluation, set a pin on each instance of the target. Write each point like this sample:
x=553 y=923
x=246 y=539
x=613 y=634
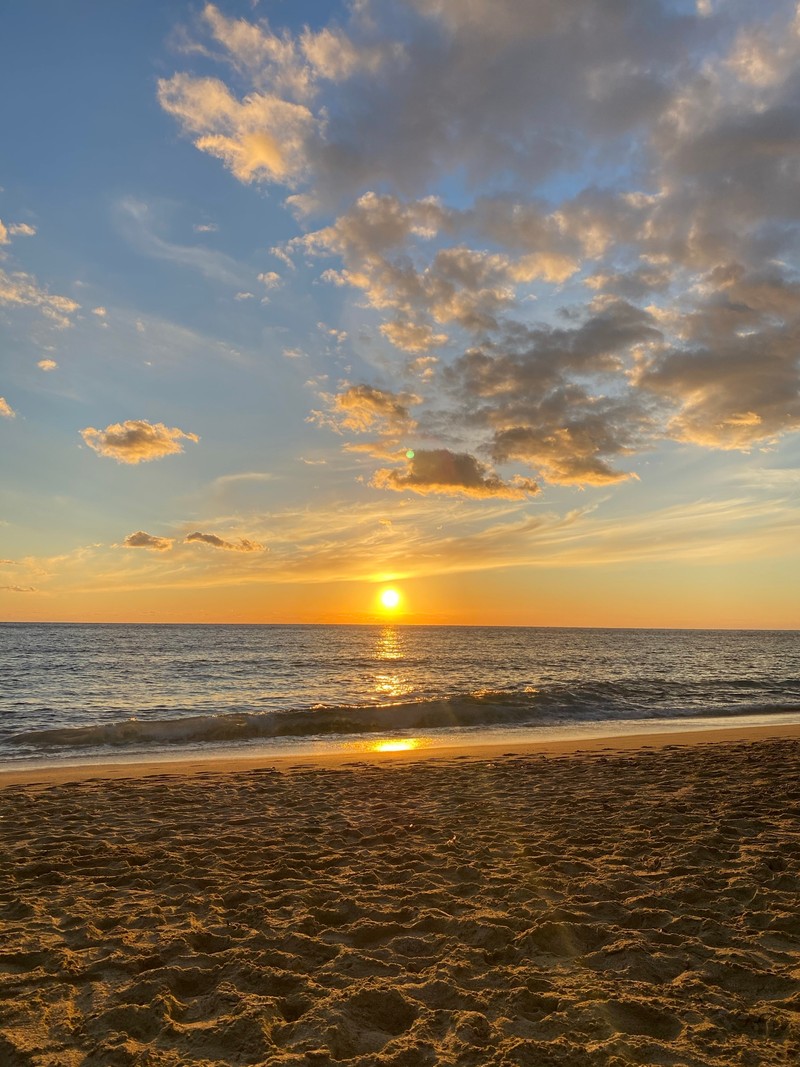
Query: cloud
x=23 y=290
x=361 y=408
x=463 y=286
x=140 y=539
x=205 y=227
x=139 y=222
x=6 y=411
x=560 y=399
x=100 y=312
x=242 y=545
x=647 y=294
x=735 y=381
x=47 y=364
x=453 y=474
x=18 y=589
x=259 y=138
x=243 y=477
x=273 y=132
x=404 y=86
x=14 y=229
x=270 y=280
x=136 y=440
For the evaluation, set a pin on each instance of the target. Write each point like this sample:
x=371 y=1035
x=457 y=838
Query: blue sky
x=255 y=255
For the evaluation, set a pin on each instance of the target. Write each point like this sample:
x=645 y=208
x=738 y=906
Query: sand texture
x=626 y=908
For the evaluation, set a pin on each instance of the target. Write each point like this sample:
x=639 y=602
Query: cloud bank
x=617 y=268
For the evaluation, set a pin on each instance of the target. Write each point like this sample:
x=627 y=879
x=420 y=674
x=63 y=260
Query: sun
x=390 y=598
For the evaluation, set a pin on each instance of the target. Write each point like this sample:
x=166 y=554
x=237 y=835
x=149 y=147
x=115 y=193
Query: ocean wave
x=482 y=708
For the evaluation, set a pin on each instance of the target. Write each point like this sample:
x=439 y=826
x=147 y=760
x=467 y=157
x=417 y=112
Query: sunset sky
x=493 y=302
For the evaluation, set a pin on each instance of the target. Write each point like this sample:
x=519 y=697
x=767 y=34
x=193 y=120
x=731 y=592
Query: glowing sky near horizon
x=494 y=303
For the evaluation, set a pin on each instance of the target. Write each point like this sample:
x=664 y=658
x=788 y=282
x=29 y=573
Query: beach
x=607 y=903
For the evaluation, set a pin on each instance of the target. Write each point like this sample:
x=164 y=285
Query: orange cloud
x=23 y=290
x=361 y=407
x=136 y=440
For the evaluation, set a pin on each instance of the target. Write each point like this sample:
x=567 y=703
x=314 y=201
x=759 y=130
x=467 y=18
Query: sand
x=612 y=907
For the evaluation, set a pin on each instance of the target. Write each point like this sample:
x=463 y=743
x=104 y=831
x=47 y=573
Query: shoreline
x=53 y=774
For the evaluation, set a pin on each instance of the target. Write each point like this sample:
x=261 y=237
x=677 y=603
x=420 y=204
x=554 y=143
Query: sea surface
x=78 y=692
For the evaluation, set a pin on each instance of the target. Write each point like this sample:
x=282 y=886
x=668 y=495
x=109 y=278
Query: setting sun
x=390 y=598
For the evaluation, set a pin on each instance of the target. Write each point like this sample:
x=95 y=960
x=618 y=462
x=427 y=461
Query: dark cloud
x=140 y=539
x=453 y=474
x=524 y=391
x=242 y=545
x=735 y=380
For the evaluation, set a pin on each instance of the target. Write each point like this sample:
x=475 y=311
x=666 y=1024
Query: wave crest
x=484 y=708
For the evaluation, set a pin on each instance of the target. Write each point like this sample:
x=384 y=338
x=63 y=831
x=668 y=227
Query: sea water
x=76 y=692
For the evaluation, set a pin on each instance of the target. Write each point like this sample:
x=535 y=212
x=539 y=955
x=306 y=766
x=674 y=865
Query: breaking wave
x=485 y=708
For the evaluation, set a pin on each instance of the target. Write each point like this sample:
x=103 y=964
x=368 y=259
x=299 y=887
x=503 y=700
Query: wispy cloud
x=139 y=223
x=18 y=289
x=243 y=477
x=214 y=541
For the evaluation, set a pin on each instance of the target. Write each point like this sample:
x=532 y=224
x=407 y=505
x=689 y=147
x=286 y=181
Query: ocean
x=91 y=691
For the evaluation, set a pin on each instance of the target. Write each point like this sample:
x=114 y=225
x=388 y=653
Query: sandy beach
x=624 y=904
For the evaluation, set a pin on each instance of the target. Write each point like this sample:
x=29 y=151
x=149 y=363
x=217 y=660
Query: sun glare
x=401 y=745
x=390 y=598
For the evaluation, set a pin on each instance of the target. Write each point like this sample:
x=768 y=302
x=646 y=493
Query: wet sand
x=622 y=905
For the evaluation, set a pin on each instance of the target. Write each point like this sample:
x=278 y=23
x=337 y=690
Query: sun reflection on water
x=396 y=744
x=390 y=683
x=390 y=644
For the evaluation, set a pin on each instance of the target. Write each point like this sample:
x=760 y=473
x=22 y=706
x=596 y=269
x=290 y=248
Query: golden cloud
x=136 y=440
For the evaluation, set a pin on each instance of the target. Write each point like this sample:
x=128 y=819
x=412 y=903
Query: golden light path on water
x=391 y=683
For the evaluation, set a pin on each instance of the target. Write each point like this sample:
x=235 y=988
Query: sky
x=494 y=303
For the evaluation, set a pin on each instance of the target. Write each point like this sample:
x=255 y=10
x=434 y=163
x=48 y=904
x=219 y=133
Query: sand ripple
x=595 y=910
